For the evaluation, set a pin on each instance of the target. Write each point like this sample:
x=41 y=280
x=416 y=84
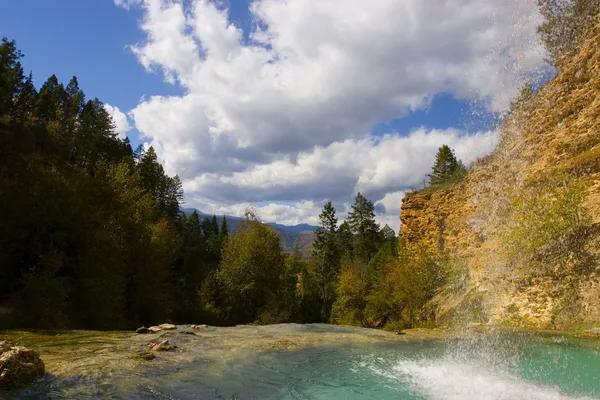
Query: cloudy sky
x=284 y=104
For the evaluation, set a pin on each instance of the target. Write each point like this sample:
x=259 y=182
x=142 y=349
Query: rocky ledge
x=18 y=365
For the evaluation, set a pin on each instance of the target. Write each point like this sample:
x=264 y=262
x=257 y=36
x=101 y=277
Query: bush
x=547 y=222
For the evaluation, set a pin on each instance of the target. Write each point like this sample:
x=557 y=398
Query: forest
x=92 y=234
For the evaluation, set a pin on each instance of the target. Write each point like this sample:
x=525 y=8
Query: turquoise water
x=321 y=362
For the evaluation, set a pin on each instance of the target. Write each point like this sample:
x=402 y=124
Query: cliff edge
x=524 y=223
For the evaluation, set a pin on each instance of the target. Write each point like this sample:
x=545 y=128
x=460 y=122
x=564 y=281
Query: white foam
x=446 y=379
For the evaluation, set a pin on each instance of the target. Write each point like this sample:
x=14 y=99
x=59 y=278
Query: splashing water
x=292 y=361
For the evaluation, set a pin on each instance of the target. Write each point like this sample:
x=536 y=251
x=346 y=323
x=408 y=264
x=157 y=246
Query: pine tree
x=362 y=222
x=388 y=234
x=194 y=229
x=11 y=75
x=223 y=231
x=326 y=258
x=446 y=167
x=345 y=238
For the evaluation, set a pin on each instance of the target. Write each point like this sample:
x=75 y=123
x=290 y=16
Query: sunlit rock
x=18 y=365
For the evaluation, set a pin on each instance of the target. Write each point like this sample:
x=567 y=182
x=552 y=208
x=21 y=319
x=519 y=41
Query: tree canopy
x=447 y=168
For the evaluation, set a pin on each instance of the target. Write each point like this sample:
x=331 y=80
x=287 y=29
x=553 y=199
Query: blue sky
x=239 y=119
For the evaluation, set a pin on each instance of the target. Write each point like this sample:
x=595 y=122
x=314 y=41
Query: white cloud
x=120 y=120
x=382 y=169
x=126 y=4
x=282 y=113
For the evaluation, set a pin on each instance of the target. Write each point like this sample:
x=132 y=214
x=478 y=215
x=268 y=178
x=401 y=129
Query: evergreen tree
x=388 y=234
x=362 y=222
x=345 y=238
x=11 y=75
x=223 y=231
x=326 y=258
x=446 y=167
x=87 y=237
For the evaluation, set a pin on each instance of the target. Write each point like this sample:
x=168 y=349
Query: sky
x=285 y=104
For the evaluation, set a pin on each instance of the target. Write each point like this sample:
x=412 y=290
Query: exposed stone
x=594 y=331
x=165 y=345
x=5 y=345
x=167 y=327
x=197 y=327
x=18 y=365
x=142 y=330
x=555 y=134
x=154 y=329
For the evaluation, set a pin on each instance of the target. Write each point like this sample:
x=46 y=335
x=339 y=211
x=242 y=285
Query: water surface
x=312 y=362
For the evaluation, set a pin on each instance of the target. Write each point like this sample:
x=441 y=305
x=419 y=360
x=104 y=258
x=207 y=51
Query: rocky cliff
x=524 y=224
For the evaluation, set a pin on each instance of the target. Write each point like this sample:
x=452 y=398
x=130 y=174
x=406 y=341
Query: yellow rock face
x=556 y=133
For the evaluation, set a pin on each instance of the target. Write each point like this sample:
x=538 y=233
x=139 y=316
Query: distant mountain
x=294 y=228
x=301 y=235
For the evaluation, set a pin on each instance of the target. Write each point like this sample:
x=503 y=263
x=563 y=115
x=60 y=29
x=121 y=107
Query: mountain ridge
x=301 y=235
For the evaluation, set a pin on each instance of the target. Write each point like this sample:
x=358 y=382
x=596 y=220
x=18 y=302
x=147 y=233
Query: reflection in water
x=311 y=362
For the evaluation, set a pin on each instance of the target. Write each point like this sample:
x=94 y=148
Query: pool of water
x=313 y=362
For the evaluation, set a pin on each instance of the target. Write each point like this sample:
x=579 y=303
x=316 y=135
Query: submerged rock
x=167 y=327
x=165 y=345
x=142 y=330
x=147 y=355
x=18 y=365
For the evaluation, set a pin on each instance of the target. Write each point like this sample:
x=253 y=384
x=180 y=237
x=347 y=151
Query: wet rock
x=5 y=346
x=147 y=355
x=18 y=365
x=197 y=327
x=154 y=329
x=282 y=344
x=142 y=330
x=165 y=345
x=593 y=331
x=167 y=327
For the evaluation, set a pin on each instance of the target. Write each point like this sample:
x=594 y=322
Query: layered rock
x=555 y=134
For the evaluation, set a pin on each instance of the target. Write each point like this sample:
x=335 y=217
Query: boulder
x=165 y=345
x=167 y=327
x=18 y=365
x=142 y=330
x=154 y=329
x=196 y=327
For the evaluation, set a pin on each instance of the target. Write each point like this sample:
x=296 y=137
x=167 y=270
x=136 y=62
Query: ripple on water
x=324 y=362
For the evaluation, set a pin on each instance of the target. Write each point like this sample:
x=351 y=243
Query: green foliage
x=566 y=22
x=92 y=235
x=352 y=291
x=251 y=273
x=88 y=236
x=326 y=258
x=362 y=223
x=548 y=222
x=447 y=168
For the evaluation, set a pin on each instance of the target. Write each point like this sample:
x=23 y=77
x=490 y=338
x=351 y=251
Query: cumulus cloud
x=120 y=120
x=283 y=112
x=381 y=168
